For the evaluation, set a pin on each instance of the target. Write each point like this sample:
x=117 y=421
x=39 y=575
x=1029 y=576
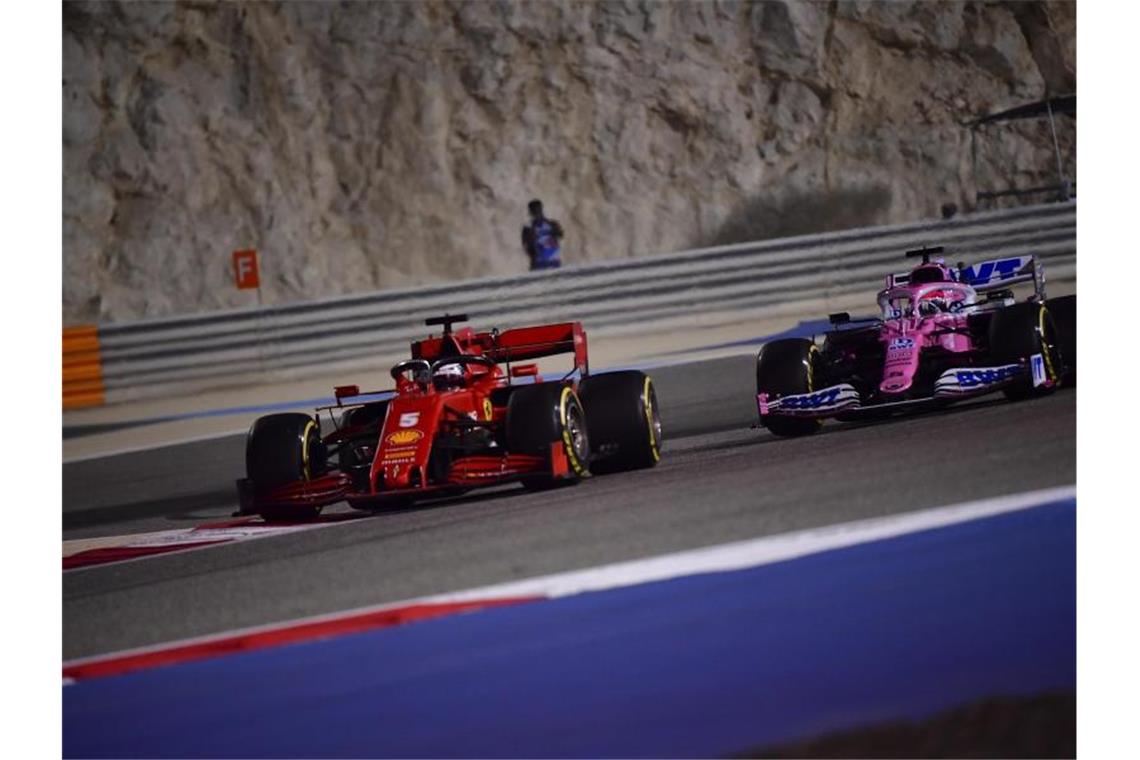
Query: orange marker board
x=245 y=270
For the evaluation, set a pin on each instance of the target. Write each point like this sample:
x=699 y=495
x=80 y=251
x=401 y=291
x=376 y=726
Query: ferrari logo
x=487 y=411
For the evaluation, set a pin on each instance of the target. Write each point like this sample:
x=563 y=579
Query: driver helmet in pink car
x=935 y=301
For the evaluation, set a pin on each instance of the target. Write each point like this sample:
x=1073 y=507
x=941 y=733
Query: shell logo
x=404 y=437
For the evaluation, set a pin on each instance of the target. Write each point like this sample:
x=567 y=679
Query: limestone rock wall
x=366 y=145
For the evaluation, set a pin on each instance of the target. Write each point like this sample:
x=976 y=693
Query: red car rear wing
x=519 y=344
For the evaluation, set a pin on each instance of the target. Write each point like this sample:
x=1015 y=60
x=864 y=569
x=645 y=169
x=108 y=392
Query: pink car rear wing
x=994 y=274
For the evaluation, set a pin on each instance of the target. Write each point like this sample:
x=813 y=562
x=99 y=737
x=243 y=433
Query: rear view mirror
x=524 y=370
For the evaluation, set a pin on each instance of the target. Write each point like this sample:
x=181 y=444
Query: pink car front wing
x=952 y=385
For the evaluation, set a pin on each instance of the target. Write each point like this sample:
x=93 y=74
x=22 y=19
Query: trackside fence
x=192 y=353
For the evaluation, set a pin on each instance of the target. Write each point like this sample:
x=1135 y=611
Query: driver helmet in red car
x=448 y=376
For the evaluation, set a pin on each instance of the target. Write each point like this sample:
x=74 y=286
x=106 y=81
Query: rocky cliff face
x=369 y=145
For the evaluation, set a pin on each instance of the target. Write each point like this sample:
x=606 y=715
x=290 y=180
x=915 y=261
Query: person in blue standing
x=542 y=239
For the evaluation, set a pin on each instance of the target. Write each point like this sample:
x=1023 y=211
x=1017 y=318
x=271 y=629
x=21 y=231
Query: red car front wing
x=467 y=472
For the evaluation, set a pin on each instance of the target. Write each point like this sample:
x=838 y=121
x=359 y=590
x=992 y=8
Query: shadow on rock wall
x=763 y=217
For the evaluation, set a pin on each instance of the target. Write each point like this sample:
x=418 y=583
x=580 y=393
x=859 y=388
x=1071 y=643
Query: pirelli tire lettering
x=574 y=432
x=652 y=418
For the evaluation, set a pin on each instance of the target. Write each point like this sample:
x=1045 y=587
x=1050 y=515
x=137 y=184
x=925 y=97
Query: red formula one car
x=458 y=420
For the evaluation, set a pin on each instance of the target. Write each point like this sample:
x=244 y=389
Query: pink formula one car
x=945 y=334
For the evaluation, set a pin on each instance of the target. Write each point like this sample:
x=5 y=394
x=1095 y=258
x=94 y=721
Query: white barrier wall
x=210 y=350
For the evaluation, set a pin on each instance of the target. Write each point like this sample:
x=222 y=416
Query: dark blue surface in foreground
x=704 y=665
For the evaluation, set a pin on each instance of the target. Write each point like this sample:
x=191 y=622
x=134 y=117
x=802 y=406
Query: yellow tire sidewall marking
x=654 y=446
x=813 y=352
x=568 y=444
x=305 y=450
x=1049 y=370
x=811 y=368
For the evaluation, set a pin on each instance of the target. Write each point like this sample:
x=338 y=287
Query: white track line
x=188 y=539
x=737 y=555
x=758 y=551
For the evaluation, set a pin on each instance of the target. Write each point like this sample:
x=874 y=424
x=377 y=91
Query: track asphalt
x=718 y=481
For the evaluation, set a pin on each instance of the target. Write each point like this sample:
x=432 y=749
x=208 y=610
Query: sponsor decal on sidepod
x=901 y=344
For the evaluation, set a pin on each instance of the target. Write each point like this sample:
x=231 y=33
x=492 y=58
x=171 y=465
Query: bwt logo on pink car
x=973 y=378
x=986 y=271
x=812 y=400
